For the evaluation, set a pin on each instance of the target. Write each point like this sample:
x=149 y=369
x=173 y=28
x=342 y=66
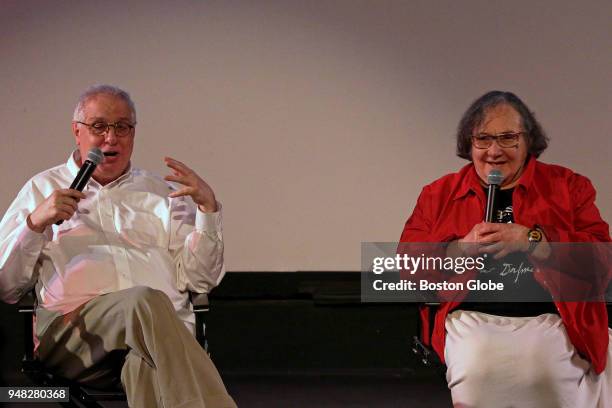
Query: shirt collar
x=471 y=182
x=72 y=165
x=527 y=177
x=74 y=168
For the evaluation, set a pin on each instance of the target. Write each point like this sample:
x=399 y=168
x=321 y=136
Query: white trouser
x=496 y=361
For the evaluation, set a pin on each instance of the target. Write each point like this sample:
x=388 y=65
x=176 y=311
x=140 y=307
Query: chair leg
x=200 y=328
x=81 y=403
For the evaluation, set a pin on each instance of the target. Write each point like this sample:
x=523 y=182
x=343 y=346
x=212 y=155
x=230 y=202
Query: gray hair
x=96 y=90
x=537 y=141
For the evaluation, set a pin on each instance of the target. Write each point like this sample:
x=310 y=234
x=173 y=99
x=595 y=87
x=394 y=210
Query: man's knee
x=144 y=297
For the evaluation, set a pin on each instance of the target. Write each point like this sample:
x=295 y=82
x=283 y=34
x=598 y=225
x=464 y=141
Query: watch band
x=534 y=236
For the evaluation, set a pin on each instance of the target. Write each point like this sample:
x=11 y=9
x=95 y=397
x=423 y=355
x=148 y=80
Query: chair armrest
x=27 y=303
x=26 y=306
x=200 y=308
x=199 y=302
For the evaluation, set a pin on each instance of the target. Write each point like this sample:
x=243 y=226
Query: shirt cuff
x=209 y=222
x=29 y=240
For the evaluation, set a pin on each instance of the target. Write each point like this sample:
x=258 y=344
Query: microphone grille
x=95 y=156
x=495 y=177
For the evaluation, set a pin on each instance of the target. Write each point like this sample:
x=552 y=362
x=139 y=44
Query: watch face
x=535 y=236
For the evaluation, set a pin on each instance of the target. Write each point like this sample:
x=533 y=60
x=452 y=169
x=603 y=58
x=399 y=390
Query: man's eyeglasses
x=100 y=128
x=484 y=141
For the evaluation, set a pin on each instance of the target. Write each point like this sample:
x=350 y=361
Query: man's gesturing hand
x=194 y=186
x=60 y=205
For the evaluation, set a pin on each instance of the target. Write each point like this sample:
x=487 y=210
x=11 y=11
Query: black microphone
x=94 y=157
x=494 y=179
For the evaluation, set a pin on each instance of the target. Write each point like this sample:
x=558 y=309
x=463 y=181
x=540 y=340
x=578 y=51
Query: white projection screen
x=316 y=122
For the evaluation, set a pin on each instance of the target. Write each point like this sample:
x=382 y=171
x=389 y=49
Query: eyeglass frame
x=108 y=126
x=496 y=138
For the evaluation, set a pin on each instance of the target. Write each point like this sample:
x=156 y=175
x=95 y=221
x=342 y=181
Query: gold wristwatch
x=534 y=236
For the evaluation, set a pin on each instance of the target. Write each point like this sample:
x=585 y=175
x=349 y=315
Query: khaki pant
x=135 y=332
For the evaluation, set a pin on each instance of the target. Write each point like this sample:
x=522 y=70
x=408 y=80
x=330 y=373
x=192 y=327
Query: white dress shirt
x=124 y=234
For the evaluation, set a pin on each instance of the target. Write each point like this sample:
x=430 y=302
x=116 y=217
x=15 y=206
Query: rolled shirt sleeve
x=20 y=247
x=198 y=247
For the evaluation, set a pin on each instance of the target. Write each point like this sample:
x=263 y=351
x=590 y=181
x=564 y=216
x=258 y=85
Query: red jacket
x=555 y=198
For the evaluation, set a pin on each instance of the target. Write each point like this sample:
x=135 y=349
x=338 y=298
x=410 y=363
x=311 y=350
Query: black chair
x=425 y=353
x=80 y=395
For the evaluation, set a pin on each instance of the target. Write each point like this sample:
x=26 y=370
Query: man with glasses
x=112 y=279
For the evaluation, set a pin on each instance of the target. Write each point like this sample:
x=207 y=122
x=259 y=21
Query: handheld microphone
x=94 y=157
x=494 y=179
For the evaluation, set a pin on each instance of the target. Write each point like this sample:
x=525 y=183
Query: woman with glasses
x=547 y=353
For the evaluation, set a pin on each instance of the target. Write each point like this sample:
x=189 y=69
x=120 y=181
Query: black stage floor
x=338 y=391
x=301 y=391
